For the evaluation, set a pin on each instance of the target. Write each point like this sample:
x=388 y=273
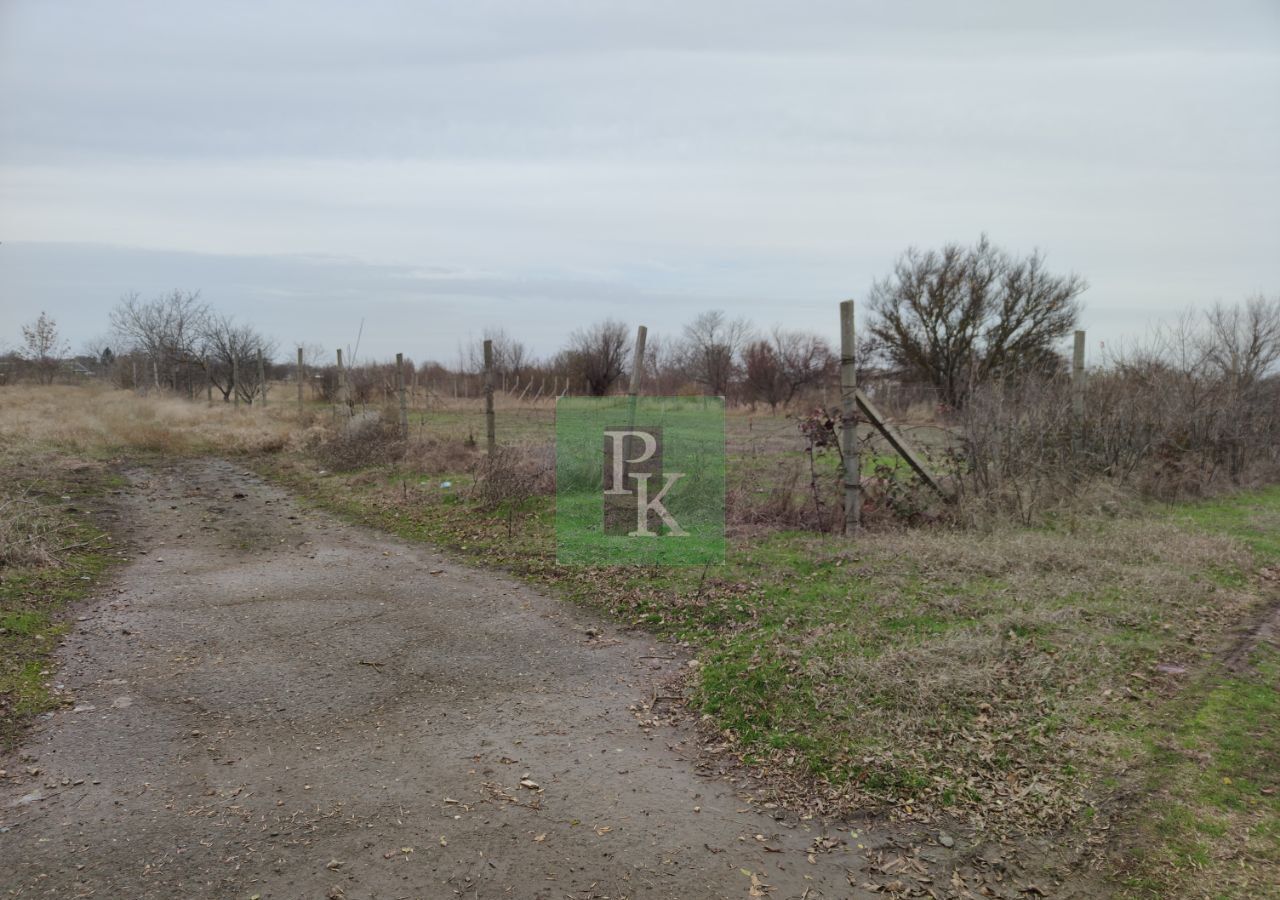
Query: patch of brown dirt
x=1265 y=629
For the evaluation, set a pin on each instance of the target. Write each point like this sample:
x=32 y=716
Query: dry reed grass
x=94 y=420
x=27 y=530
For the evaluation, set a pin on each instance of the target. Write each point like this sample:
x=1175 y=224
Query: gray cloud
x=550 y=163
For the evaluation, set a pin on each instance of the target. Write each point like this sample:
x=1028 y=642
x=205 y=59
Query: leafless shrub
x=596 y=356
x=1015 y=452
x=369 y=440
x=1198 y=403
x=439 y=455
x=782 y=500
x=511 y=477
x=1193 y=410
x=807 y=492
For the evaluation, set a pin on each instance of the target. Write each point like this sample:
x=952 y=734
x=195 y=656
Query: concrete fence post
x=637 y=362
x=490 y=431
x=262 y=379
x=404 y=406
x=848 y=422
x=1077 y=394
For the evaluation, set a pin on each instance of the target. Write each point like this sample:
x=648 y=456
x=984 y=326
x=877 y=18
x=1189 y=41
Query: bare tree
x=1242 y=343
x=776 y=369
x=1241 y=347
x=965 y=315
x=230 y=356
x=168 y=331
x=43 y=347
x=804 y=359
x=710 y=348
x=597 y=355
x=663 y=372
x=314 y=356
x=510 y=357
x=763 y=381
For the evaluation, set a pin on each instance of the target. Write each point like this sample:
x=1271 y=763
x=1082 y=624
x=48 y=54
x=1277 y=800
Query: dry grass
x=513 y=476
x=95 y=420
x=28 y=532
x=439 y=456
x=372 y=440
x=993 y=677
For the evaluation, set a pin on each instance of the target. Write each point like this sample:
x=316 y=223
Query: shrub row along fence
x=1193 y=410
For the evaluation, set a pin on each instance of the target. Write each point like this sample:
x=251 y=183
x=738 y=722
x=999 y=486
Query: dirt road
x=271 y=703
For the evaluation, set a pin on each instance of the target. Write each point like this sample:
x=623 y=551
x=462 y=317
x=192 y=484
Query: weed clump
x=365 y=441
x=28 y=532
x=513 y=476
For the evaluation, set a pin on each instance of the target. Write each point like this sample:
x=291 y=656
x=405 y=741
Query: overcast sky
x=436 y=168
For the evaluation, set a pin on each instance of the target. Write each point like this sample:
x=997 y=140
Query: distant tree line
x=945 y=322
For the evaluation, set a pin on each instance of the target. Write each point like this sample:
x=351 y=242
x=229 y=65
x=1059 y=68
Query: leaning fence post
x=637 y=363
x=633 y=391
x=262 y=379
x=301 y=378
x=848 y=422
x=404 y=407
x=489 y=433
x=1077 y=395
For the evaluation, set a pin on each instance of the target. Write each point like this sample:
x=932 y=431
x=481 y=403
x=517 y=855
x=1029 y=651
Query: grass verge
x=54 y=554
x=1208 y=824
